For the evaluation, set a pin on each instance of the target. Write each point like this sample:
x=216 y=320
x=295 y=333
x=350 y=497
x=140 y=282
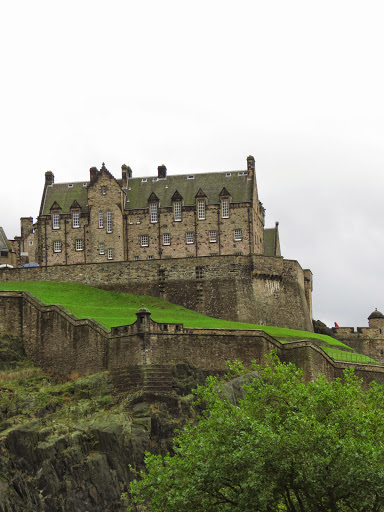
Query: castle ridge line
x=205 y=232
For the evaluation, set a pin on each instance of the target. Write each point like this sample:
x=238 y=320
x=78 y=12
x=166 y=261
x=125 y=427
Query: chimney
x=251 y=166
x=49 y=178
x=93 y=174
x=162 y=171
x=126 y=172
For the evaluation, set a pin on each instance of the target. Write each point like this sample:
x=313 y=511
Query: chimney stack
x=162 y=171
x=93 y=174
x=49 y=178
x=251 y=166
x=126 y=172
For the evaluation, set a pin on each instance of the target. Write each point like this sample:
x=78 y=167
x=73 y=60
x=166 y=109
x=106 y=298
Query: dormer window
x=153 y=210
x=177 y=211
x=225 y=208
x=153 y=201
x=76 y=219
x=201 y=209
x=56 y=221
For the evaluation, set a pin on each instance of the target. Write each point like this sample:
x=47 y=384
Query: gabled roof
x=200 y=193
x=65 y=194
x=187 y=187
x=5 y=245
x=171 y=188
x=271 y=242
x=153 y=198
x=75 y=205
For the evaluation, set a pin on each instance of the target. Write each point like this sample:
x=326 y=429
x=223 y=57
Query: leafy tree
x=285 y=446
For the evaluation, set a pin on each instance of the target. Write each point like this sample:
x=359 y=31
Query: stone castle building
x=195 y=239
x=130 y=219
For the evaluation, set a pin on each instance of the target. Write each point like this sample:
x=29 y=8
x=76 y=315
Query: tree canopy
x=286 y=445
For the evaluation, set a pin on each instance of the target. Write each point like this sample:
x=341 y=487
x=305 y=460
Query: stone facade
x=58 y=342
x=162 y=217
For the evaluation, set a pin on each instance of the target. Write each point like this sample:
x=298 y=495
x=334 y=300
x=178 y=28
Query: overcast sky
x=198 y=86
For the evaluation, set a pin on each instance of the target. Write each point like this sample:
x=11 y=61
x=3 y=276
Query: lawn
x=113 y=309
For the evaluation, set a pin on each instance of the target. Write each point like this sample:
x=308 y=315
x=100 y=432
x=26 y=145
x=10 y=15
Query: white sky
x=199 y=86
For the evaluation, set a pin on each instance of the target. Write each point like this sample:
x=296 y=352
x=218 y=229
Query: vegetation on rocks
x=284 y=446
x=68 y=445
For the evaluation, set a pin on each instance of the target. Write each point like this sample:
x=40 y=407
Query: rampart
x=255 y=289
x=366 y=340
x=57 y=341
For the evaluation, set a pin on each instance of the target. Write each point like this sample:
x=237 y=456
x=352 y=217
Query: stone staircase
x=154 y=378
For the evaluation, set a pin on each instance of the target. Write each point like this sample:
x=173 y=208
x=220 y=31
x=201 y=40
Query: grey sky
x=199 y=86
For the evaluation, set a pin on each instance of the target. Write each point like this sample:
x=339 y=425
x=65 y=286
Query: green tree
x=285 y=446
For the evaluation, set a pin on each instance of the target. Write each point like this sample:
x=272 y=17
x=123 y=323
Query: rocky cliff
x=69 y=446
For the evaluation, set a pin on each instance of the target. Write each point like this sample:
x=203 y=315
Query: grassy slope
x=113 y=309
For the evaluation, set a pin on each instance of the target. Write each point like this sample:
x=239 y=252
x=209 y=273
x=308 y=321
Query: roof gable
x=55 y=206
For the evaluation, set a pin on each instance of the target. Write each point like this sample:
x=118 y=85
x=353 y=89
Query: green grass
x=342 y=355
x=114 y=309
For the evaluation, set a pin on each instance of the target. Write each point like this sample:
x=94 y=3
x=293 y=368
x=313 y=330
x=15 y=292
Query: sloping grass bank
x=112 y=309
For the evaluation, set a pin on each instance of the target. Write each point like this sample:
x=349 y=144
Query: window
x=103 y=190
x=138 y=220
x=101 y=220
x=76 y=219
x=225 y=208
x=79 y=244
x=31 y=242
x=144 y=240
x=166 y=239
x=201 y=209
x=212 y=236
x=153 y=210
x=189 y=237
x=177 y=210
x=131 y=220
x=237 y=235
x=101 y=248
x=109 y=222
x=57 y=246
x=136 y=258
x=110 y=253
x=56 y=221
x=150 y=257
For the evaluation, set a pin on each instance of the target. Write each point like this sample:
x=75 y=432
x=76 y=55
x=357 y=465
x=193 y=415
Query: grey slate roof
x=239 y=187
x=64 y=196
x=4 y=243
x=269 y=242
x=235 y=182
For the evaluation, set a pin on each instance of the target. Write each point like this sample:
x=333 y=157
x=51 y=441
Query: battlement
x=59 y=342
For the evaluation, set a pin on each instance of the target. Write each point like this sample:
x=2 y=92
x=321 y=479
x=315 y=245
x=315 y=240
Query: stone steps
x=153 y=378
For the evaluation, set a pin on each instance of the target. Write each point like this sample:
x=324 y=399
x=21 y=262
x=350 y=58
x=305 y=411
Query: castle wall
x=253 y=289
x=366 y=340
x=58 y=342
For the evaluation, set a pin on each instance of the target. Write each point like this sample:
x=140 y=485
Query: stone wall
x=255 y=289
x=58 y=342
x=366 y=340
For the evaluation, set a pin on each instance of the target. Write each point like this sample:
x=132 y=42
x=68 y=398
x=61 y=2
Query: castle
x=162 y=217
x=194 y=239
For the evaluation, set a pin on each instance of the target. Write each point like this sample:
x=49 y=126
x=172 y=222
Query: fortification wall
x=255 y=289
x=58 y=342
x=366 y=340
